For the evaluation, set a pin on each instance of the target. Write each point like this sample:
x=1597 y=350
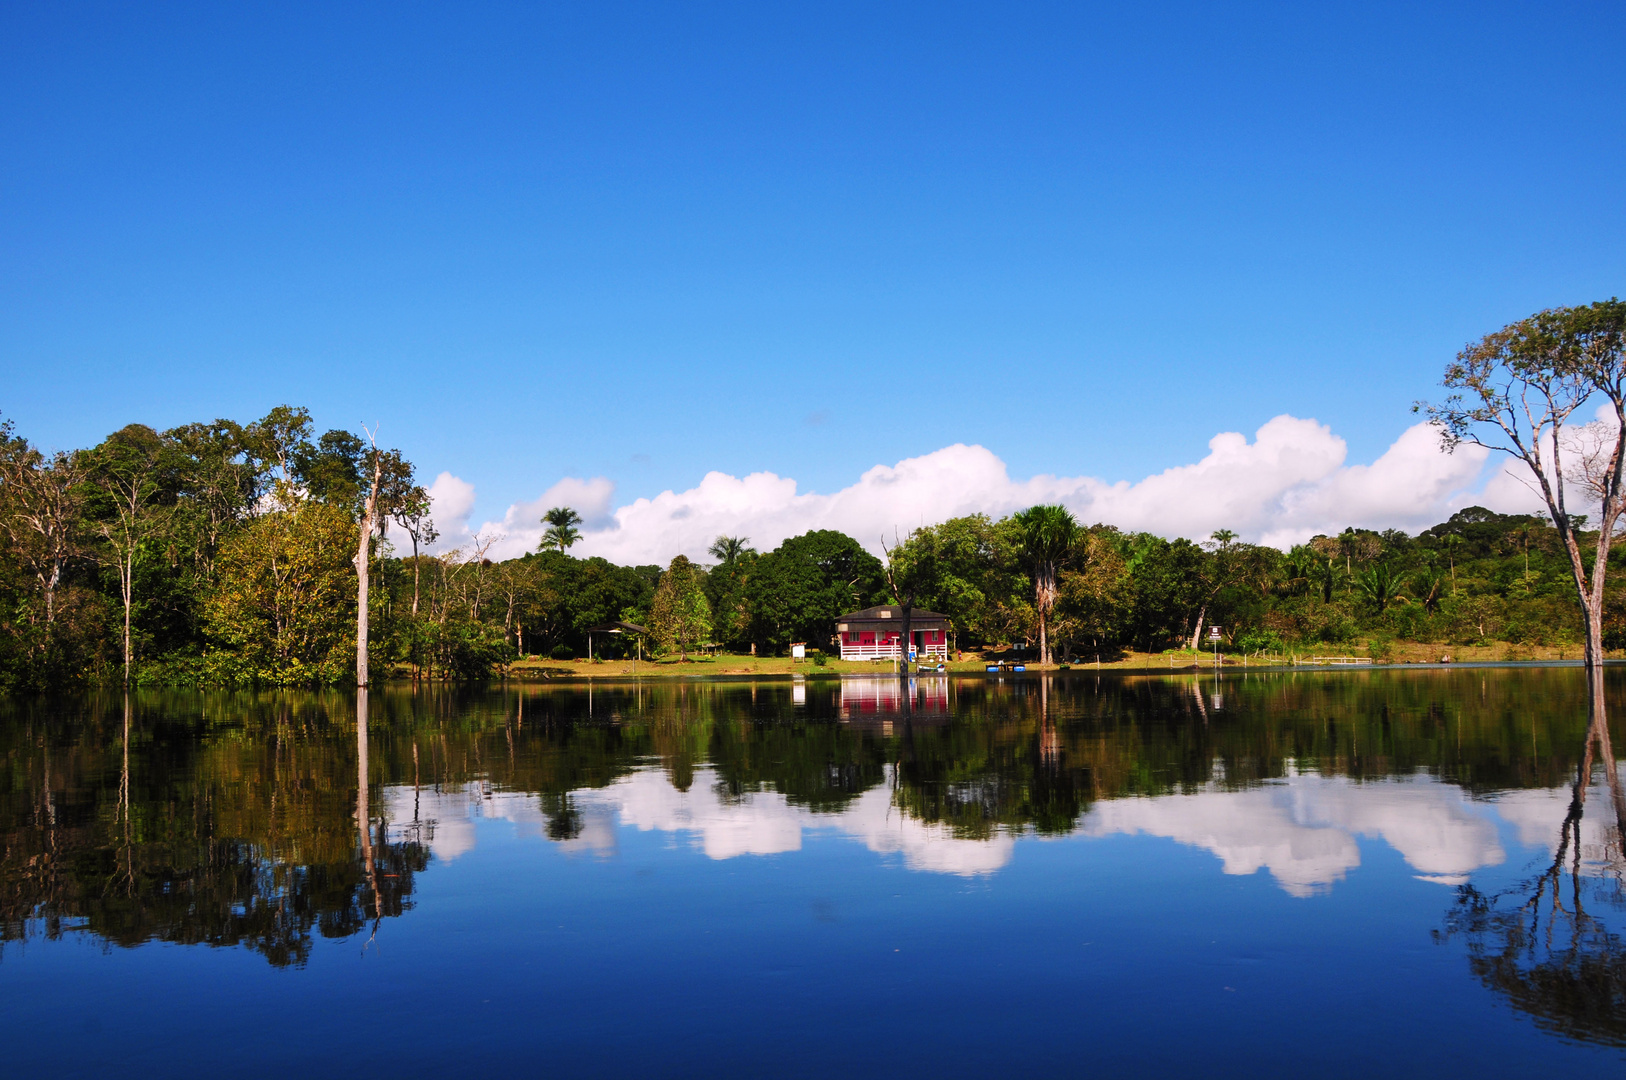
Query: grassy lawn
x=1176 y=660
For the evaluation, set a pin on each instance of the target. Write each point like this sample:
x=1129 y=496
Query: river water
x=1337 y=873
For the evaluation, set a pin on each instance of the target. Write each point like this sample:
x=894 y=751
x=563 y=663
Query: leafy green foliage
x=796 y=591
x=283 y=611
x=680 y=616
x=227 y=547
x=561 y=533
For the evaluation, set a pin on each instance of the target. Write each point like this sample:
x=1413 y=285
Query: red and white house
x=876 y=633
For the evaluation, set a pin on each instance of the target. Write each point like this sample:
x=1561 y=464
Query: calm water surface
x=1338 y=874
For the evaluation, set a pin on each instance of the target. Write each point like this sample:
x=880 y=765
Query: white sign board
x=798 y=652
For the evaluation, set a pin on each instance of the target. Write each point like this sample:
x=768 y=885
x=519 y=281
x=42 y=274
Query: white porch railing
x=891 y=651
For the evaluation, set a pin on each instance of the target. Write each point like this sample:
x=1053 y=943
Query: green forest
x=224 y=553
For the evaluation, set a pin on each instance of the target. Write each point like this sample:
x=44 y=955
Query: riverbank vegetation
x=223 y=553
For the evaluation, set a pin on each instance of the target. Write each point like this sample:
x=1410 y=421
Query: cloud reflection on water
x=1302 y=829
x=758 y=823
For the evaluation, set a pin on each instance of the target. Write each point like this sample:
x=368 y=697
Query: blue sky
x=642 y=242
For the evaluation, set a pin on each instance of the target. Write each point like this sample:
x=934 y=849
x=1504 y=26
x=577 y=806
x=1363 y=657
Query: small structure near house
x=876 y=633
x=617 y=628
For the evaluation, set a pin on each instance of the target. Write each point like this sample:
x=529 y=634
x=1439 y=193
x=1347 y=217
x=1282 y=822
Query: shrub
x=1381 y=647
x=1261 y=640
x=562 y=652
x=1337 y=631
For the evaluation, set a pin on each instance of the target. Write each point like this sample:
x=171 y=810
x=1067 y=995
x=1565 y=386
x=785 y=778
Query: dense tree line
x=226 y=553
x=1478 y=577
x=213 y=552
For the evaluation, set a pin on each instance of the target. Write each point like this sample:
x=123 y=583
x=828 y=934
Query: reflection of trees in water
x=134 y=829
x=563 y=818
x=239 y=819
x=1551 y=955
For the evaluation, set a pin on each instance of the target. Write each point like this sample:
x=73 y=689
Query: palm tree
x=1426 y=584
x=1452 y=541
x=1381 y=586
x=1300 y=570
x=1047 y=535
x=562 y=532
x=728 y=549
x=1523 y=534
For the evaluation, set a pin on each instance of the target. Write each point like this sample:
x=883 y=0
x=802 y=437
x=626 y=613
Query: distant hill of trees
x=227 y=550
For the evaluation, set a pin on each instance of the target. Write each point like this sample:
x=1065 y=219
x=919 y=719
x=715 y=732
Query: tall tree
x=220 y=482
x=1095 y=595
x=797 y=590
x=562 y=532
x=280 y=440
x=413 y=516
x=334 y=469
x=123 y=480
x=1516 y=390
x=39 y=511
x=680 y=617
x=970 y=571
x=908 y=572
x=1224 y=565
x=726 y=586
x=390 y=486
x=279 y=610
x=1048 y=534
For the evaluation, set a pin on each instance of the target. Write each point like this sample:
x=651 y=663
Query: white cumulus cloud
x=1290 y=482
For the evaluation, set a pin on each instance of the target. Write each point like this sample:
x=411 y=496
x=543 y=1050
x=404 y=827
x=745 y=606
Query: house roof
x=891 y=614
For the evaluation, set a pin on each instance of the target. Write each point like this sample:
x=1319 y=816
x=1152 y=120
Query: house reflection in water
x=880 y=701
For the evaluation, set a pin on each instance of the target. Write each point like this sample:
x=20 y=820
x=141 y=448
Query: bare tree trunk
x=369 y=518
x=1197 y=634
x=50 y=594
x=127 y=590
x=414 y=573
x=1044 y=596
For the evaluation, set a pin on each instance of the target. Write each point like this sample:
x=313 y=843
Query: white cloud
x=757 y=823
x=1287 y=484
x=520 y=530
x=1303 y=829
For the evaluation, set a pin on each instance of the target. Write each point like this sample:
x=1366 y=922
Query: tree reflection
x=249 y=842
x=1552 y=955
x=260 y=819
